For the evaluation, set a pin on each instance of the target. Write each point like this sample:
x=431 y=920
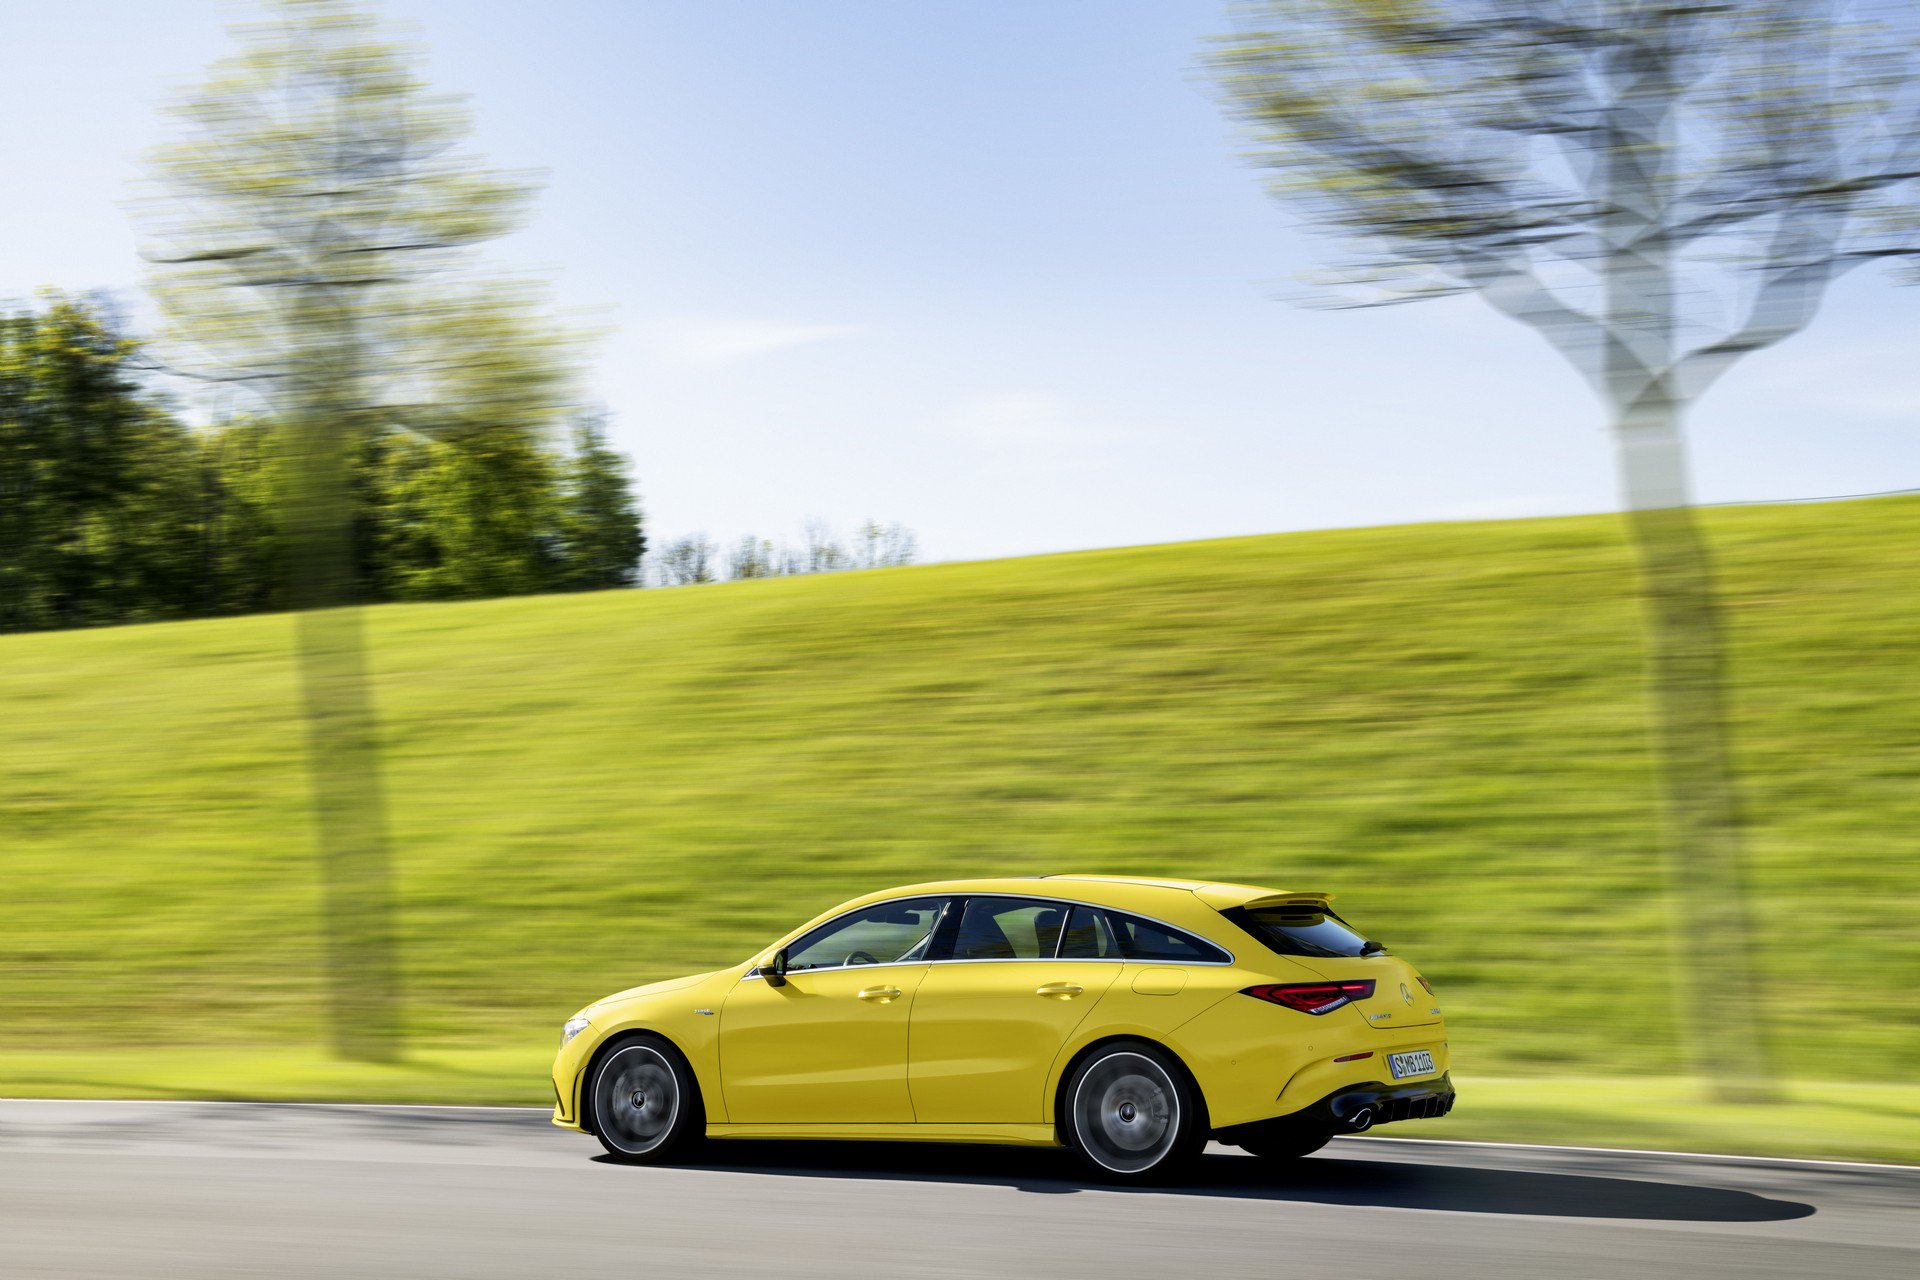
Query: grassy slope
x=1444 y=725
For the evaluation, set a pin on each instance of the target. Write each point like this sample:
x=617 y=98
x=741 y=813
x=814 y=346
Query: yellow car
x=1127 y=1018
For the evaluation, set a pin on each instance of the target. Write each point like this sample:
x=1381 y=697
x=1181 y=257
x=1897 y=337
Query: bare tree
x=822 y=552
x=883 y=546
x=1656 y=187
x=685 y=561
x=753 y=557
x=695 y=558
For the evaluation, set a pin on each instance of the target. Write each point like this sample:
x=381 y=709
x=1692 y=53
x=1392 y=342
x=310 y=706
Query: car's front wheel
x=646 y=1102
x=1131 y=1112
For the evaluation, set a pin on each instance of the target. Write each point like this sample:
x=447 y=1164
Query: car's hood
x=654 y=988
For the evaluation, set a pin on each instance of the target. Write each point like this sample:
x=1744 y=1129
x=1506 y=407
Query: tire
x=1281 y=1145
x=646 y=1102
x=1131 y=1112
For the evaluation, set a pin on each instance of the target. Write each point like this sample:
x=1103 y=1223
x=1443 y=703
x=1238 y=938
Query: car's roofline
x=1187 y=904
x=1218 y=894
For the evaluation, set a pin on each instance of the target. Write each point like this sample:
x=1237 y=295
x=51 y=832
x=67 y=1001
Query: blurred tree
x=98 y=522
x=753 y=557
x=601 y=537
x=883 y=546
x=244 y=550
x=149 y=543
x=685 y=561
x=822 y=552
x=875 y=546
x=19 y=475
x=318 y=206
x=488 y=503
x=1623 y=176
x=399 y=551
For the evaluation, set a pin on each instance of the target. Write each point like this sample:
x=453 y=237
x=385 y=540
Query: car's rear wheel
x=1131 y=1112
x=646 y=1102
x=1284 y=1143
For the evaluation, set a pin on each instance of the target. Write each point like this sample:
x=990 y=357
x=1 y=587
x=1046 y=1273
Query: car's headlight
x=575 y=1025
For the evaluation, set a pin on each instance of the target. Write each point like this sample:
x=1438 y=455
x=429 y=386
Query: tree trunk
x=1713 y=959
x=343 y=753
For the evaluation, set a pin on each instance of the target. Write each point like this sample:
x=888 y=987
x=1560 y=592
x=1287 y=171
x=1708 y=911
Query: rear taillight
x=1313 y=997
x=1425 y=983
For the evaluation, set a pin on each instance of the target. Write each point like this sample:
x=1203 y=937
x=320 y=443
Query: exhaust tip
x=1361 y=1120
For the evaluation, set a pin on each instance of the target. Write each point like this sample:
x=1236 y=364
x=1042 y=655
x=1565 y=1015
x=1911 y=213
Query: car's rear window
x=1293 y=931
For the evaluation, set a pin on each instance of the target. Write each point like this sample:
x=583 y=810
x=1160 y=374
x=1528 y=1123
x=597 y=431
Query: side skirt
x=1024 y=1135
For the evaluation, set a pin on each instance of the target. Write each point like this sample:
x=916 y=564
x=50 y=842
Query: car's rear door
x=989 y=1020
x=829 y=1045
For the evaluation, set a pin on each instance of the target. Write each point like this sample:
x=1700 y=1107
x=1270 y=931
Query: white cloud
x=709 y=342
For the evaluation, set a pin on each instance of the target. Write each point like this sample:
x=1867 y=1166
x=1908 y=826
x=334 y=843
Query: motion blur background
x=362 y=722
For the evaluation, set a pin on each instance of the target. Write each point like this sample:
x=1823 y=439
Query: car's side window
x=1089 y=936
x=1145 y=940
x=886 y=933
x=1094 y=933
x=1008 y=929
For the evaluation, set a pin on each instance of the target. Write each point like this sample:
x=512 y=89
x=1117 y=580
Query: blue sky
x=989 y=269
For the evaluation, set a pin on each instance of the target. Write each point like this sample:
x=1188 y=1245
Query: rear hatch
x=1305 y=929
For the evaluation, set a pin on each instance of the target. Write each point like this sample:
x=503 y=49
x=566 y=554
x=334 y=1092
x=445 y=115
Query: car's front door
x=829 y=1044
x=989 y=1021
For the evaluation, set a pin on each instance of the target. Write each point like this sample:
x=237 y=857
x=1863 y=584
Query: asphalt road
x=129 y=1189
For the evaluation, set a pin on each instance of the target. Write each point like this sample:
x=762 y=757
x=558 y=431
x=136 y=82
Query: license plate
x=1418 y=1063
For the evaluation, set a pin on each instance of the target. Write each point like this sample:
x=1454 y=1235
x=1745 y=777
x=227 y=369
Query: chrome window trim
x=950 y=895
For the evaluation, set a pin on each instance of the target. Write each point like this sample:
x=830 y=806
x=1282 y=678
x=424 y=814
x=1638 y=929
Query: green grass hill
x=1444 y=725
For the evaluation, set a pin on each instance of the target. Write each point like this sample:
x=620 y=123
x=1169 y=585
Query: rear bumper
x=1359 y=1107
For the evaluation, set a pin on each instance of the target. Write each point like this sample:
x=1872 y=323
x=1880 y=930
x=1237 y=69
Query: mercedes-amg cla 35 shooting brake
x=1129 y=1019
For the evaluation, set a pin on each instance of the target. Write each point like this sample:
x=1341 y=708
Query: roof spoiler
x=1221 y=897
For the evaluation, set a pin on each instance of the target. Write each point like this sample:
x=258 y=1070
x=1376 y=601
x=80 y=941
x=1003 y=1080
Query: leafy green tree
x=1623 y=176
x=83 y=453
x=244 y=549
x=148 y=543
x=319 y=207
x=18 y=473
x=601 y=536
x=397 y=473
x=488 y=504
x=21 y=474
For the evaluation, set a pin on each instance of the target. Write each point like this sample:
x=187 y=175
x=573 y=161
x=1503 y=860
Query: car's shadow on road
x=1322 y=1179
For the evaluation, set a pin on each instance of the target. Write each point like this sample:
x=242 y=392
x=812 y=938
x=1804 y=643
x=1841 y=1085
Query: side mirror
x=776 y=972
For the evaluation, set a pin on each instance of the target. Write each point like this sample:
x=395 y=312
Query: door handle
x=880 y=995
x=1062 y=990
